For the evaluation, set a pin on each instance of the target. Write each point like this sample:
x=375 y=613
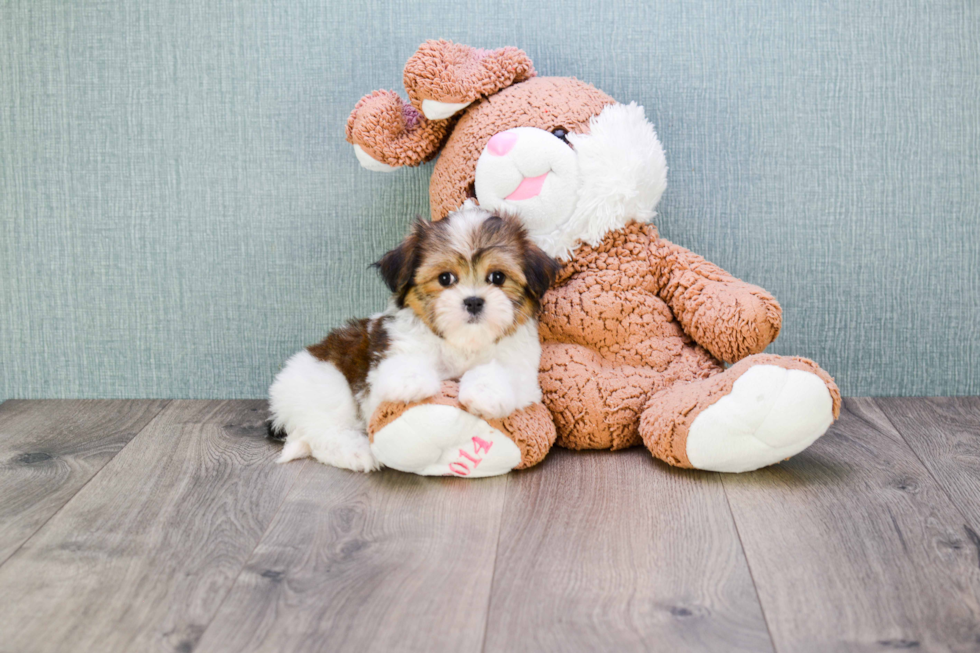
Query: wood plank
x=368 y=562
x=854 y=547
x=618 y=552
x=142 y=557
x=945 y=434
x=51 y=448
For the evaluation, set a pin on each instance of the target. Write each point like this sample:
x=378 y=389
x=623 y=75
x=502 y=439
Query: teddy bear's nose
x=502 y=143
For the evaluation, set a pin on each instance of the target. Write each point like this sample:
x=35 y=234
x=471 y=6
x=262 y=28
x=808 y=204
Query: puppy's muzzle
x=474 y=305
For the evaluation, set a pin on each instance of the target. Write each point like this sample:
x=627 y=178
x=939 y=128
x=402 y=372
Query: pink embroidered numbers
x=460 y=466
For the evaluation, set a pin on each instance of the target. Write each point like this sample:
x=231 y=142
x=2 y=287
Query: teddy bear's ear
x=442 y=78
x=387 y=133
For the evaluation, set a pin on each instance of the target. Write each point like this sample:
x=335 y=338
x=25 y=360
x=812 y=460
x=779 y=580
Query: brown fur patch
x=354 y=349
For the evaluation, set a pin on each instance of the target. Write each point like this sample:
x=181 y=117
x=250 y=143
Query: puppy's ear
x=398 y=266
x=540 y=271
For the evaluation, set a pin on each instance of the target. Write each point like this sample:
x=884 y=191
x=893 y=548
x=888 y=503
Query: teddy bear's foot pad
x=770 y=414
x=439 y=440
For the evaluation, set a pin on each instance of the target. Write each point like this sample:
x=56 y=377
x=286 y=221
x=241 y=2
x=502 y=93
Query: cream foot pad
x=439 y=440
x=771 y=414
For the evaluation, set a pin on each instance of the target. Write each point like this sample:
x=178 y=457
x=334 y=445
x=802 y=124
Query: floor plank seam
x=85 y=484
x=967 y=523
x=975 y=538
x=255 y=548
x=493 y=575
x=748 y=565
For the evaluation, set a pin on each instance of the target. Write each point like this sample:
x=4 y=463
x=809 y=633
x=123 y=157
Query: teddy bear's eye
x=447 y=279
x=561 y=133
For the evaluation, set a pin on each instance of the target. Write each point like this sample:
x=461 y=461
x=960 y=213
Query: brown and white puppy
x=466 y=292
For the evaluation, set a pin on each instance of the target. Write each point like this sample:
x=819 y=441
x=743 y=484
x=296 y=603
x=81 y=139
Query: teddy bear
x=643 y=341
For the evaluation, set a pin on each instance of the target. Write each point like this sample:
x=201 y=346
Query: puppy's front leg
x=406 y=379
x=487 y=391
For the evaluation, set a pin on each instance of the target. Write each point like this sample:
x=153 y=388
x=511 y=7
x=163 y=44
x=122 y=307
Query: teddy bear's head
x=562 y=155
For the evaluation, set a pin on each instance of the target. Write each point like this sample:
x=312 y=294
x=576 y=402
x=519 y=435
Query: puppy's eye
x=560 y=133
x=496 y=278
x=447 y=279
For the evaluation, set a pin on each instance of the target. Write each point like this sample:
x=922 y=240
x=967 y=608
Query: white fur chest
x=410 y=337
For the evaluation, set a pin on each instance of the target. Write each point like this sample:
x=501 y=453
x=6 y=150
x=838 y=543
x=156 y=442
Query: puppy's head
x=473 y=278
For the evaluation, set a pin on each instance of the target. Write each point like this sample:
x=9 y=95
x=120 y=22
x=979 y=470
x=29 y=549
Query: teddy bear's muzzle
x=528 y=172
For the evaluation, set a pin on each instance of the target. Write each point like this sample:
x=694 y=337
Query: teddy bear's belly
x=605 y=352
x=631 y=327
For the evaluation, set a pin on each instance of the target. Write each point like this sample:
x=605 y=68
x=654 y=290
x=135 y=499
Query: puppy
x=466 y=293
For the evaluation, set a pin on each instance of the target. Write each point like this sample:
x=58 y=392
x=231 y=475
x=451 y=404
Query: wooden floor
x=165 y=526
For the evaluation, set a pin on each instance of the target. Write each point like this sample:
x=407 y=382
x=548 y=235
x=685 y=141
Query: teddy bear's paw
x=770 y=414
x=440 y=440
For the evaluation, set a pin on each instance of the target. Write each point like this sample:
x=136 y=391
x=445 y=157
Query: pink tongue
x=528 y=188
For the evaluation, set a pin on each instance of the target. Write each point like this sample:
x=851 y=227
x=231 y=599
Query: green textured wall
x=179 y=210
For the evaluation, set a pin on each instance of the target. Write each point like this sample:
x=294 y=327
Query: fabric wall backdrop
x=179 y=210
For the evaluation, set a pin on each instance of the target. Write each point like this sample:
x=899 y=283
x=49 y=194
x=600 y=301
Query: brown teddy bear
x=636 y=331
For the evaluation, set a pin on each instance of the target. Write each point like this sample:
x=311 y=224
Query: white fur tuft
x=622 y=172
x=294 y=450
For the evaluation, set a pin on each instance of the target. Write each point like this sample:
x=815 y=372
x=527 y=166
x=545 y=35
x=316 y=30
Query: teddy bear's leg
x=438 y=437
x=760 y=411
x=595 y=404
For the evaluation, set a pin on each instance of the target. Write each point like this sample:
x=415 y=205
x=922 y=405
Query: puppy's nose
x=502 y=143
x=474 y=305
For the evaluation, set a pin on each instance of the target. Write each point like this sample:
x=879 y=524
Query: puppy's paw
x=408 y=386
x=486 y=393
x=293 y=450
x=347 y=450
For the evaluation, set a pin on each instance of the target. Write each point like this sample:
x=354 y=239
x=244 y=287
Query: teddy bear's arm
x=730 y=318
